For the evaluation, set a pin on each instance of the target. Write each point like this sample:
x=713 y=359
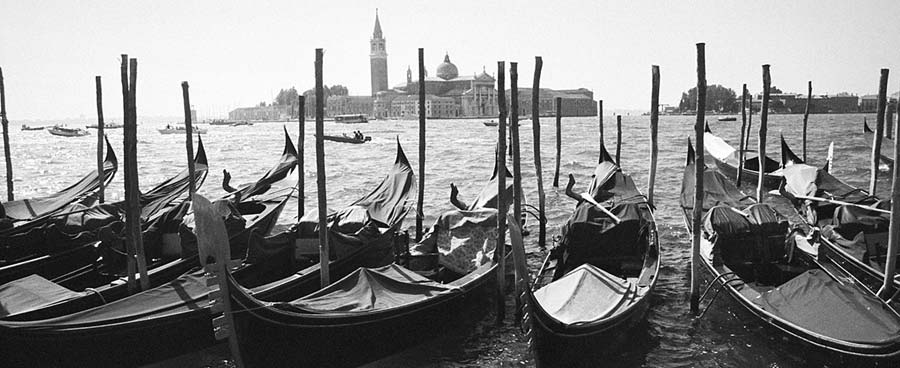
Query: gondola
x=375 y=312
x=854 y=223
x=66 y=245
x=67 y=132
x=745 y=246
x=594 y=285
x=175 y=318
x=346 y=139
x=22 y=211
x=726 y=159
x=887 y=144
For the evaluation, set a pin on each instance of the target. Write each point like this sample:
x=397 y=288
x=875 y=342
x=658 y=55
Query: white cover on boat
x=800 y=179
x=718 y=148
x=584 y=295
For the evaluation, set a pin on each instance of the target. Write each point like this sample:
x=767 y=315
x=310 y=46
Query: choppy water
x=460 y=152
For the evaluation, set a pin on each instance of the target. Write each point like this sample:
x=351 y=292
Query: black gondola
x=594 y=285
x=747 y=249
x=726 y=159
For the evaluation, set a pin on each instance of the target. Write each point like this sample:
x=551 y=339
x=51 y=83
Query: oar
x=591 y=200
x=834 y=201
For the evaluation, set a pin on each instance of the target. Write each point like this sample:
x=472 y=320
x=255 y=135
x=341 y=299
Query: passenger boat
x=344 y=138
x=106 y=126
x=726 y=159
x=241 y=123
x=594 y=285
x=727 y=118
x=745 y=246
x=179 y=129
x=351 y=119
x=887 y=144
x=375 y=312
x=176 y=318
x=854 y=224
x=67 y=132
x=26 y=127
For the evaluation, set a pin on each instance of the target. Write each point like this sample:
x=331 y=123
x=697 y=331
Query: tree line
x=718 y=99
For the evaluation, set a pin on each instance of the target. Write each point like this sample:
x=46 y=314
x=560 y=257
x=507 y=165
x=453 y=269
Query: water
x=461 y=152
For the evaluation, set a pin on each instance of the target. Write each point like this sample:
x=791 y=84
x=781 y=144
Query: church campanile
x=378 y=59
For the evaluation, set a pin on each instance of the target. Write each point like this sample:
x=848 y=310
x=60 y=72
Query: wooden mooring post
x=806 y=116
x=618 y=140
x=517 y=160
x=698 y=180
x=324 y=249
x=600 y=120
x=6 y=153
x=879 y=131
x=189 y=139
x=301 y=122
x=132 y=189
x=102 y=189
x=420 y=203
x=558 y=140
x=763 y=129
x=536 y=133
x=890 y=267
x=654 y=131
x=501 y=194
x=741 y=146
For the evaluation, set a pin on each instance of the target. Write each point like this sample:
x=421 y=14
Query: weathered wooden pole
x=763 y=129
x=879 y=131
x=132 y=189
x=600 y=119
x=5 y=123
x=618 y=139
x=102 y=188
x=741 y=146
x=654 y=129
x=698 y=179
x=806 y=116
x=558 y=140
x=514 y=135
x=189 y=141
x=890 y=265
x=536 y=131
x=501 y=194
x=130 y=265
x=324 y=250
x=301 y=121
x=749 y=122
x=889 y=121
x=419 y=212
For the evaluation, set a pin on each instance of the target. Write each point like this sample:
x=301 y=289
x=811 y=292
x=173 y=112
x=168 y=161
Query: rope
x=96 y=292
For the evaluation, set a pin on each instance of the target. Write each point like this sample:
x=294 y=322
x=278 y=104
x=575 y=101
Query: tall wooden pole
x=889 y=121
x=536 y=131
x=189 y=139
x=5 y=123
x=741 y=146
x=890 y=266
x=501 y=193
x=301 y=121
x=806 y=116
x=131 y=267
x=102 y=188
x=419 y=211
x=514 y=134
x=618 y=139
x=749 y=122
x=654 y=129
x=132 y=189
x=698 y=179
x=879 y=131
x=600 y=118
x=324 y=250
x=558 y=140
x=763 y=129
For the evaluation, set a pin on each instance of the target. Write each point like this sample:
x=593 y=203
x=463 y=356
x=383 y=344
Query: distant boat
x=494 y=123
x=68 y=132
x=224 y=122
x=241 y=123
x=179 y=129
x=346 y=139
x=106 y=126
x=351 y=119
x=26 y=127
x=728 y=118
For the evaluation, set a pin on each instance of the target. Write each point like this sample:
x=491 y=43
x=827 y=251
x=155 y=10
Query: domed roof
x=447 y=70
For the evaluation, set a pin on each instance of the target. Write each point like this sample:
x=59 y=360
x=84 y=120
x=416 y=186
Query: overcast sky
x=238 y=54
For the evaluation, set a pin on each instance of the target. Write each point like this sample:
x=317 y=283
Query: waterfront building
x=346 y=105
x=265 y=113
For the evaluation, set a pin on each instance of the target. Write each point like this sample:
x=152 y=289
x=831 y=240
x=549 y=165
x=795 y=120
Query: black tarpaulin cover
x=586 y=294
x=370 y=289
x=186 y=293
x=717 y=189
x=487 y=198
x=26 y=209
x=816 y=302
x=284 y=166
x=725 y=221
x=31 y=292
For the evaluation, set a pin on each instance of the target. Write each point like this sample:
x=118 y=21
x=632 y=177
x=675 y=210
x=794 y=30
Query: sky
x=237 y=54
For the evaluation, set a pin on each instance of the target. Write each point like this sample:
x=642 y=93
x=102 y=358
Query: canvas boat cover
x=584 y=295
x=806 y=180
x=816 y=302
x=717 y=189
x=487 y=198
x=278 y=172
x=718 y=148
x=188 y=292
x=370 y=289
x=464 y=240
x=28 y=209
x=31 y=292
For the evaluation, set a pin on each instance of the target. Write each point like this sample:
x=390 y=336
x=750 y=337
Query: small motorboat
x=241 y=123
x=106 y=126
x=728 y=118
x=494 y=123
x=179 y=129
x=67 y=132
x=26 y=127
x=344 y=138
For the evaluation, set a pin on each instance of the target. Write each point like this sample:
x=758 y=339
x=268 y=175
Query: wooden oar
x=591 y=200
x=834 y=201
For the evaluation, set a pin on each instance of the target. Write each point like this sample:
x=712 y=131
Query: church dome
x=447 y=70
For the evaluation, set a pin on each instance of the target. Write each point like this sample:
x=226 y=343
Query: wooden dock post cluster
x=536 y=131
x=698 y=172
x=189 y=139
x=6 y=154
x=419 y=204
x=654 y=129
x=879 y=130
x=324 y=251
x=501 y=193
x=741 y=146
x=134 y=242
x=301 y=122
x=102 y=188
x=763 y=129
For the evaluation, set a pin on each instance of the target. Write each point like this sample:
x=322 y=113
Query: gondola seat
x=750 y=243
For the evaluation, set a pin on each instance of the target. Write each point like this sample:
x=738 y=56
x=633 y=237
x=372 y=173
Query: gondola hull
x=748 y=177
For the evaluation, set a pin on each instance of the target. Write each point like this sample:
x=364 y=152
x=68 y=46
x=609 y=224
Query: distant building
x=576 y=102
x=795 y=103
x=266 y=113
x=343 y=105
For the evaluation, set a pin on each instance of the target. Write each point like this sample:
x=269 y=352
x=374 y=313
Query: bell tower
x=378 y=59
